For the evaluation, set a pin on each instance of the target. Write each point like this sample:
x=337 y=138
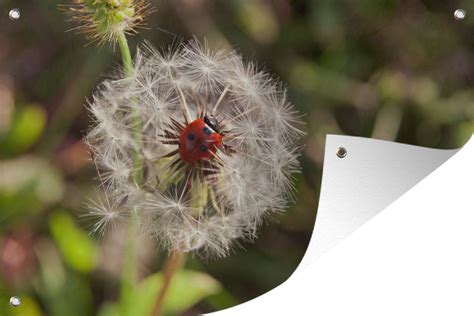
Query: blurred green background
x=400 y=70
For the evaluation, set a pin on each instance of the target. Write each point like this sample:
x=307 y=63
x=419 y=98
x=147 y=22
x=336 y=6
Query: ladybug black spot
x=191 y=136
x=207 y=130
x=203 y=148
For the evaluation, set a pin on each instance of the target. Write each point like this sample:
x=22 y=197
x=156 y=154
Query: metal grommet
x=15 y=301
x=341 y=152
x=14 y=14
x=459 y=14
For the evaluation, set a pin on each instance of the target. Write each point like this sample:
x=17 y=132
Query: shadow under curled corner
x=361 y=178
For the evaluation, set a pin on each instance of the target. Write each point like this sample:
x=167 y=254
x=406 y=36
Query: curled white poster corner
x=355 y=188
x=414 y=258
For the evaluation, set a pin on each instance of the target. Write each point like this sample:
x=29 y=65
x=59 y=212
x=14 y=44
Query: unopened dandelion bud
x=106 y=20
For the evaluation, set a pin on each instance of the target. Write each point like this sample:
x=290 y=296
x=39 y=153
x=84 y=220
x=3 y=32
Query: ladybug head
x=212 y=122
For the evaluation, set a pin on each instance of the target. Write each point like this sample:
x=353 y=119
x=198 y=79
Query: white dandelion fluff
x=106 y=214
x=218 y=141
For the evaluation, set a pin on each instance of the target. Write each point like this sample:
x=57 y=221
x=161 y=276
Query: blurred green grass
x=394 y=70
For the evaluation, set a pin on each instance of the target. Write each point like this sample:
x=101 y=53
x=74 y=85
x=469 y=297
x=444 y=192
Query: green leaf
x=76 y=246
x=187 y=288
x=109 y=309
x=28 y=125
x=62 y=291
x=222 y=300
x=27 y=185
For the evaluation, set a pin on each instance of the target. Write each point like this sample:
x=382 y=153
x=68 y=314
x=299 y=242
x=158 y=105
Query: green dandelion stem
x=129 y=266
x=137 y=124
x=126 y=55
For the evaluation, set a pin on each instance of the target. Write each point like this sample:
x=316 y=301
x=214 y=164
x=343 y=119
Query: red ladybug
x=200 y=140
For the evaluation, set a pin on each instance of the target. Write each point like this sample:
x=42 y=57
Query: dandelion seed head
x=219 y=142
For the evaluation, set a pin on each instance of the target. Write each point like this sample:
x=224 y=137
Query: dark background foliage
x=399 y=70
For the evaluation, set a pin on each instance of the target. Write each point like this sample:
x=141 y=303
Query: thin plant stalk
x=126 y=55
x=128 y=70
x=173 y=263
x=129 y=266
